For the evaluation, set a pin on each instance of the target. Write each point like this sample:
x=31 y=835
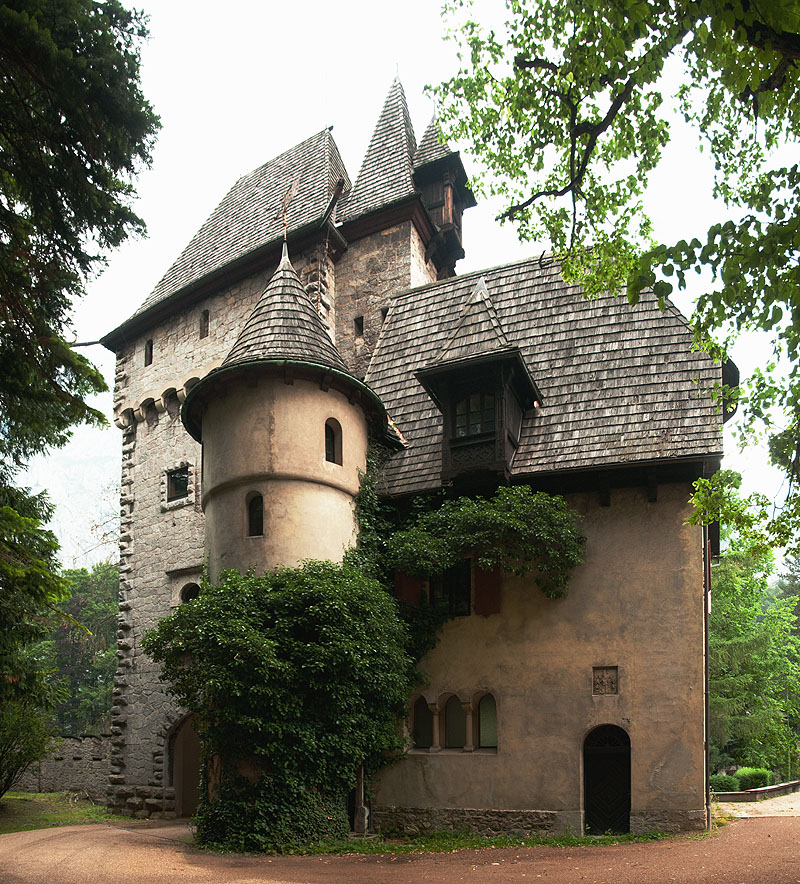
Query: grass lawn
x=20 y=811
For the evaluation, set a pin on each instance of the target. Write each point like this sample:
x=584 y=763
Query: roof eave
x=332 y=377
x=255 y=260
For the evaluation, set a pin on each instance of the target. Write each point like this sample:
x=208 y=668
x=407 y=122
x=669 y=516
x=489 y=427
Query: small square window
x=177 y=483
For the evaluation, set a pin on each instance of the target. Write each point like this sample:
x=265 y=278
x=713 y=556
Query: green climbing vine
x=516 y=529
x=298 y=677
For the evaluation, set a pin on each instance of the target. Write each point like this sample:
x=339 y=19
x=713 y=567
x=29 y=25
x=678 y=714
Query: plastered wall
x=634 y=605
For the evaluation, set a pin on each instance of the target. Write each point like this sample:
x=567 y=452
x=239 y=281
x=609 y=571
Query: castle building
x=247 y=385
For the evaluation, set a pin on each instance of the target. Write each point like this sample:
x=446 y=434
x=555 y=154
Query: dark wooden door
x=607 y=780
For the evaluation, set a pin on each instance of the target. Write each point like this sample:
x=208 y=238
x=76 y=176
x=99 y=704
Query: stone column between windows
x=469 y=739
x=436 y=745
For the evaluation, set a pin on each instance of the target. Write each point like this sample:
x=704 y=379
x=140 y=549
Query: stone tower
x=284 y=429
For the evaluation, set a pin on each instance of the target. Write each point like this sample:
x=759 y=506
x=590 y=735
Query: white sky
x=236 y=84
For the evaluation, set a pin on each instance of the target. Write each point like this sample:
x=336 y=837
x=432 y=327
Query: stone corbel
x=124 y=419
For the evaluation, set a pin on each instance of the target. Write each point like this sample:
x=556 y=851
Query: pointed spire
x=386 y=174
x=478 y=331
x=285 y=325
x=432 y=147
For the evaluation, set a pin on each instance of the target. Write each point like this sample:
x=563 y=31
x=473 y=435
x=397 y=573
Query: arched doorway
x=184 y=767
x=607 y=780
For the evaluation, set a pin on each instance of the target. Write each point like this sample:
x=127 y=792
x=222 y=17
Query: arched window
x=255 y=515
x=148 y=352
x=455 y=724
x=422 y=728
x=333 y=441
x=487 y=722
x=204 y=324
x=189 y=592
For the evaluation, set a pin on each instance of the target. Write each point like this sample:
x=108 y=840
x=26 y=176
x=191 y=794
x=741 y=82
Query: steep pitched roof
x=620 y=385
x=386 y=174
x=285 y=325
x=478 y=331
x=431 y=148
x=250 y=215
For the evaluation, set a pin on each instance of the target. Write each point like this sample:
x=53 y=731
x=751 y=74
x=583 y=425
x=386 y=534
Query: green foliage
x=81 y=651
x=74 y=128
x=723 y=783
x=25 y=737
x=30 y=588
x=298 y=677
x=754 y=665
x=753 y=777
x=567 y=106
x=516 y=529
x=22 y=811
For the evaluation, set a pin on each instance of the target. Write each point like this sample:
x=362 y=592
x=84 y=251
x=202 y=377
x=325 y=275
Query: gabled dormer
x=483 y=388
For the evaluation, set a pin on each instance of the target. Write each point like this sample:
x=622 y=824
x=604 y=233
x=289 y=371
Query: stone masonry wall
x=161 y=547
x=370 y=273
x=413 y=821
x=77 y=764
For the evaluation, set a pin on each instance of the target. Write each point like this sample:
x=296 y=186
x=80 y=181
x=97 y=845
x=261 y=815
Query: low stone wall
x=78 y=764
x=413 y=821
x=759 y=794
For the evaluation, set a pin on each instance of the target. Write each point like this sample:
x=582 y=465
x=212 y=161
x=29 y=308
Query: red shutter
x=487 y=591
x=407 y=589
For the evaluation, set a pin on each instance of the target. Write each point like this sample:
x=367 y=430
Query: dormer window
x=474 y=415
x=482 y=386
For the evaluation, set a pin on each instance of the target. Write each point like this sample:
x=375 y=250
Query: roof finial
x=287 y=198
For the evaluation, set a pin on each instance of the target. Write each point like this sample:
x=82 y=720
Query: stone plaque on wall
x=605 y=680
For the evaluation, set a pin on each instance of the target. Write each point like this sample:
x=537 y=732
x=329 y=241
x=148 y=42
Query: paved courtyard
x=759 y=849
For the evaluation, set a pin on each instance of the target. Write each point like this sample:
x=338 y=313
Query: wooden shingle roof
x=386 y=175
x=250 y=216
x=285 y=325
x=431 y=148
x=620 y=385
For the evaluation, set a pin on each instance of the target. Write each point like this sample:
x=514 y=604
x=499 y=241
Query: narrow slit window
x=358 y=326
x=204 y=324
x=255 y=515
x=148 y=352
x=333 y=441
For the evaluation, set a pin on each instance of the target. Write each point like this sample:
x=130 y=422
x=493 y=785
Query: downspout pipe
x=706 y=670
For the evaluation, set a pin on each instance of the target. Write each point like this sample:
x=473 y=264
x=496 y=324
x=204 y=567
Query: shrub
x=25 y=737
x=723 y=783
x=753 y=777
x=295 y=679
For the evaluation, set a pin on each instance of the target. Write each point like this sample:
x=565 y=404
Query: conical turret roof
x=284 y=334
x=285 y=325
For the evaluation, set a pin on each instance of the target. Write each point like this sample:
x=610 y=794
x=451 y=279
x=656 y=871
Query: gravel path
x=749 y=851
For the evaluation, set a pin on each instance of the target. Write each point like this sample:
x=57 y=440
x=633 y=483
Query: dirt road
x=761 y=850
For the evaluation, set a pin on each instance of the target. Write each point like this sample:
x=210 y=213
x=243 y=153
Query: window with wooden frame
x=451 y=592
x=333 y=441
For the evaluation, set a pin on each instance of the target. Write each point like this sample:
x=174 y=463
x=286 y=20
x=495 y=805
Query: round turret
x=285 y=430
